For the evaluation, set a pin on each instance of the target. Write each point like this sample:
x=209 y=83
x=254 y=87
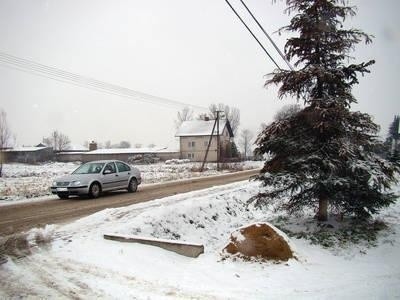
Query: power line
x=71 y=78
x=60 y=75
x=259 y=43
x=267 y=35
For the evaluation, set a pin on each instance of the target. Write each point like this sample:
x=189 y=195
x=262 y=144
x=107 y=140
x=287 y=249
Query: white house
x=194 y=137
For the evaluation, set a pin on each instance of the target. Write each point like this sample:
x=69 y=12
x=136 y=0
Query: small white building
x=194 y=137
x=29 y=155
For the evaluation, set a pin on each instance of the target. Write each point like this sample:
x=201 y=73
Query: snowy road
x=20 y=217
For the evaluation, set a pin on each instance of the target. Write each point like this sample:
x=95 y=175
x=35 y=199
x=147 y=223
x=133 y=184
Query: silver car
x=95 y=177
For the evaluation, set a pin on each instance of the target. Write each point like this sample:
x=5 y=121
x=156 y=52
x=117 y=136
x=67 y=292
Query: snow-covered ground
x=79 y=264
x=22 y=182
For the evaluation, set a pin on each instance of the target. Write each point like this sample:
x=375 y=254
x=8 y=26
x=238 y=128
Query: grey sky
x=190 y=51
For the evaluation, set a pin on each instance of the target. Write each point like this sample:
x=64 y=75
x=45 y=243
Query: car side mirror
x=107 y=172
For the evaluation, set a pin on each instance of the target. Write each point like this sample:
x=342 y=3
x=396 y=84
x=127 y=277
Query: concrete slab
x=182 y=248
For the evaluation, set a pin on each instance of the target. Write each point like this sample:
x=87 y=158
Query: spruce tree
x=324 y=154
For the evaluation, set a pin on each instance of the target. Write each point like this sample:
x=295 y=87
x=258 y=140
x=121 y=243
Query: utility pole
x=216 y=123
x=208 y=147
x=218 y=139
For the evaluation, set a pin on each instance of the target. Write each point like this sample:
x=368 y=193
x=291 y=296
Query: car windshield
x=89 y=168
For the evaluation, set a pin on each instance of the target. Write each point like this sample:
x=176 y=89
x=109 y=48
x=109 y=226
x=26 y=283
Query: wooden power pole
x=216 y=123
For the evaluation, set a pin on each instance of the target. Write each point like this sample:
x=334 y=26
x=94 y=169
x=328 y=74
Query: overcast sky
x=195 y=52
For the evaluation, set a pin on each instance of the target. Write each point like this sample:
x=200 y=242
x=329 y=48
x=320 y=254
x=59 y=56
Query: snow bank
x=23 y=181
x=201 y=218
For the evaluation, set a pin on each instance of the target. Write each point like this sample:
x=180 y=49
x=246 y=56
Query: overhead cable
x=86 y=82
x=268 y=36
x=259 y=43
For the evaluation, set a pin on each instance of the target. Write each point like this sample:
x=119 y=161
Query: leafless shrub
x=15 y=246
x=196 y=169
x=21 y=244
x=232 y=167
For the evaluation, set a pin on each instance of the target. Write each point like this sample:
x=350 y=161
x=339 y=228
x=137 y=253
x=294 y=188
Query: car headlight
x=54 y=183
x=76 y=183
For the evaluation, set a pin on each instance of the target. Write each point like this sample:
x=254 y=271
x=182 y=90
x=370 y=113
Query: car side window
x=122 y=167
x=110 y=167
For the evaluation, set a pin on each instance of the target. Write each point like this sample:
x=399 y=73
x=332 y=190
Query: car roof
x=104 y=161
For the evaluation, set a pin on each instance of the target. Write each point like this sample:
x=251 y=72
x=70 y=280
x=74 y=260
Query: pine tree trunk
x=323 y=209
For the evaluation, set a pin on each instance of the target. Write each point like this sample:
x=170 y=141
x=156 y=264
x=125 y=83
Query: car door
x=124 y=173
x=111 y=177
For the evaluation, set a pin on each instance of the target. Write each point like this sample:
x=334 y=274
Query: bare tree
x=232 y=114
x=203 y=116
x=245 y=142
x=57 y=140
x=138 y=145
x=63 y=142
x=108 y=145
x=185 y=115
x=124 y=144
x=287 y=111
x=5 y=135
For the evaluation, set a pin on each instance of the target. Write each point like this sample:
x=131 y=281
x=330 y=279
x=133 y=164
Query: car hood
x=77 y=177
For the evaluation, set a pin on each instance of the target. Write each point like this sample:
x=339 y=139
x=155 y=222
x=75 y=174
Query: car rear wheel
x=132 y=187
x=94 y=190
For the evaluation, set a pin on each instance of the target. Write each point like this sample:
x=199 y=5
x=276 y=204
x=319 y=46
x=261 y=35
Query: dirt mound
x=259 y=240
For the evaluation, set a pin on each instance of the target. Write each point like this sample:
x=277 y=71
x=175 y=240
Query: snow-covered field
x=79 y=264
x=23 y=181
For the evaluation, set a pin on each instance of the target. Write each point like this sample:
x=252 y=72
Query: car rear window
x=122 y=167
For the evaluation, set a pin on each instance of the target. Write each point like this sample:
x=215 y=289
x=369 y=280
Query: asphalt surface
x=17 y=218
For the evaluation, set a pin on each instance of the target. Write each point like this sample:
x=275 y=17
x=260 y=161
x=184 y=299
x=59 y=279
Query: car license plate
x=62 y=190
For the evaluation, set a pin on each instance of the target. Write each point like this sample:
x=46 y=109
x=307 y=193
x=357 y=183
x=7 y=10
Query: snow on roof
x=25 y=149
x=173 y=146
x=200 y=128
x=76 y=147
x=130 y=151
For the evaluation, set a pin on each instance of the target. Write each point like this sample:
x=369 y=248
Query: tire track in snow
x=60 y=278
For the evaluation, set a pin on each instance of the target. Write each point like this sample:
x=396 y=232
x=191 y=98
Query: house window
x=190 y=155
x=192 y=144
x=205 y=143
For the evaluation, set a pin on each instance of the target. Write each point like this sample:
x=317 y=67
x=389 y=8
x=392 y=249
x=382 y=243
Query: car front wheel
x=94 y=190
x=132 y=187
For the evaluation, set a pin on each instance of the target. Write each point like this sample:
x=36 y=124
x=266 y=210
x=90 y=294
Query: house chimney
x=92 y=146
